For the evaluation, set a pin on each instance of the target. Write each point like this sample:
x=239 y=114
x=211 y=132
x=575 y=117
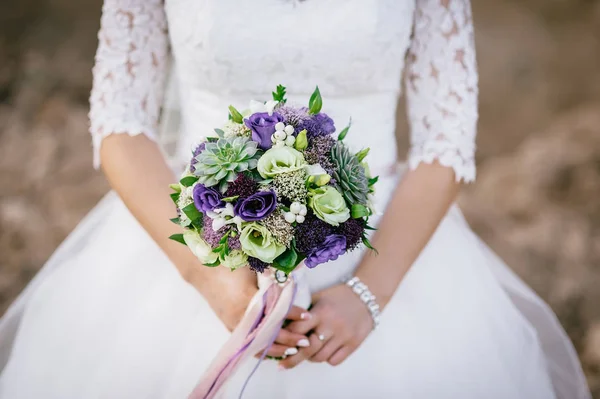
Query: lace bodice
x=229 y=51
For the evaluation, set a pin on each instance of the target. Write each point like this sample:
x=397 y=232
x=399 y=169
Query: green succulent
x=349 y=174
x=221 y=161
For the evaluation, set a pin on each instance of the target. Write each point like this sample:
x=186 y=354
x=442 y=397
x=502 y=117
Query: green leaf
x=230 y=199
x=315 y=103
x=362 y=154
x=175 y=220
x=175 y=187
x=188 y=181
x=279 y=94
x=214 y=264
x=235 y=115
x=344 y=131
x=359 y=211
x=287 y=261
x=220 y=133
x=223 y=240
x=373 y=180
x=192 y=213
x=367 y=243
x=178 y=238
x=367 y=227
x=175 y=197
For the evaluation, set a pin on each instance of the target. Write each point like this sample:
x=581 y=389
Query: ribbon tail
x=255 y=332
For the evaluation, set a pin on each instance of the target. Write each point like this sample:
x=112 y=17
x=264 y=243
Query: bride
x=120 y=311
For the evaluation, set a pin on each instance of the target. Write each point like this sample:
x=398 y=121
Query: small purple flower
x=263 y=126
x=257 y=206
x=207 y=198
x=333 y=246
x=318 y=125
x=196 y=152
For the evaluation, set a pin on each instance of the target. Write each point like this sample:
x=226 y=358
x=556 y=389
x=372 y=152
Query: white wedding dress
x=109 y=316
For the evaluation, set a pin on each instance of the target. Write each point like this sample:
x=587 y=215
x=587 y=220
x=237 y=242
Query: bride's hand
x=339 y=323
x=227 y=293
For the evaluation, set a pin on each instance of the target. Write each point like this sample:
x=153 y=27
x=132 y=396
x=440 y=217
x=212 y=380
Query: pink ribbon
x=256 y=332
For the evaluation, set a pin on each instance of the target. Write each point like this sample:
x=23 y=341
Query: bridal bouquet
x=275 y=187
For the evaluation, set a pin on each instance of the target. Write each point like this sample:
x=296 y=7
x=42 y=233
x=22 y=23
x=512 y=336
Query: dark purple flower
x=207 y=198
x=196 y=152
x=257 y=265
x=243 y=186
x=257 y=206
x=263 y=126
x=353 y=230
x=318 y=125
x=333 y=246
x=310 y=234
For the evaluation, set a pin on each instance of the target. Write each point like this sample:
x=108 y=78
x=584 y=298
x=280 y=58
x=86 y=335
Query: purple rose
x=263 y=127
x=207 y=198
x=332 y=247
x=257 y=206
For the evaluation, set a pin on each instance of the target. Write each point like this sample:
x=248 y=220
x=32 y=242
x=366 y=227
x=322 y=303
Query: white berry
x=279 y=126
x=289 y=217
x=303 y=211
x=296 y=207
x=279 y=135
x=299 y=218
x=289 y=129
x=278 y=144
x=273 y=138
x=290 y=140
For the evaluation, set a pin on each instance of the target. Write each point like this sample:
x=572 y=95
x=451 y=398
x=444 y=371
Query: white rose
x=235 y=260
x=199 y=247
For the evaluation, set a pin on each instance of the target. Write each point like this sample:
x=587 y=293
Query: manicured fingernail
x=303 y=343
x=280 y=367
x=290 y=351
x=305 y=316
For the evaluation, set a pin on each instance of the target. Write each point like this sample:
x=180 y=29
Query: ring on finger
x=321 y=337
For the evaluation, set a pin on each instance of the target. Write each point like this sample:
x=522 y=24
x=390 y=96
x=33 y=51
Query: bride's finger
x=340 y=355
x=291 y=339
x=297 y=313
x=275 y=350
x=330 y=347
x=305 y=325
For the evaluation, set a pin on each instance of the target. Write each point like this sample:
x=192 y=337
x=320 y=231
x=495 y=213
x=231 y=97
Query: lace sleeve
x=130 y=70
x=441 y=87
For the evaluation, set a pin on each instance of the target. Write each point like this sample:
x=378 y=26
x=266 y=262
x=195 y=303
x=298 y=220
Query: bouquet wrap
x=255 y=333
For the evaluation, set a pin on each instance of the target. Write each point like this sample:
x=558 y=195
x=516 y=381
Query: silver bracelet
x=366 y=296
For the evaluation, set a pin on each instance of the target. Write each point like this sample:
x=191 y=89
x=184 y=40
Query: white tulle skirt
x=109 y=317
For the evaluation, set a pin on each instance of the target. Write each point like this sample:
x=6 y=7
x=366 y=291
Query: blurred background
x=536 y=200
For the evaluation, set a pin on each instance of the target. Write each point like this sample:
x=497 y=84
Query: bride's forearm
x=417 y=207
x=137 y=171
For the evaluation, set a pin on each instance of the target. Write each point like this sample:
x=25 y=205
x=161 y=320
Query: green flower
x=221 y=161
x=199 y=247
x=257 y=241
x=301 y=141
x=235 y=260
x=280 y=160
x=328 y=205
